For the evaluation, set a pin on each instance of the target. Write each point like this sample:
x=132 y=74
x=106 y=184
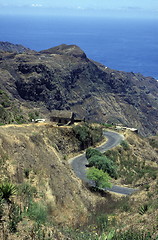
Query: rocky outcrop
x=16 y=48
x=64 y=78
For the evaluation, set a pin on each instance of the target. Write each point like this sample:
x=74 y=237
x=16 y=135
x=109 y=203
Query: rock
x=64 y=78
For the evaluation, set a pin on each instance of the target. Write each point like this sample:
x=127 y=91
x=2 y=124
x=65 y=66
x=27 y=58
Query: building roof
x=61 y=114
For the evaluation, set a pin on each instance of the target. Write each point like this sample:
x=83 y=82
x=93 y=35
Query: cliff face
x=64 y=78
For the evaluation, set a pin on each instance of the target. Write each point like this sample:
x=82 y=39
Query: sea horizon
x=129 y=45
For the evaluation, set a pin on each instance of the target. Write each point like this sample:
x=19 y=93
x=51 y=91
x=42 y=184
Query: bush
x=101 y=179
x=132 y=235
x=37 y=211
x=125 y=145
x=153 y=141
x=143 y=209
x=33 y=115
x=15 y=216
x=83 y=135
x=108 y=125
x=112 y=155
x=7 y=190
x=27 y=173
x=20 y=119
x=26 y=191
x=90 y=152
x=102 y=222
x=103 y=163
x=87 y=135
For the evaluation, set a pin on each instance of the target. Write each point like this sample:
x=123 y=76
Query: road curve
x=79 y=162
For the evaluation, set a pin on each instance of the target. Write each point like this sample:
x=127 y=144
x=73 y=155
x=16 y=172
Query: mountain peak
x=64 y=49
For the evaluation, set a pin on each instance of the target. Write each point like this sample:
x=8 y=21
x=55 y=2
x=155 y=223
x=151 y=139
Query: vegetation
x=87 y=134
x=27 y=192
x=132 y=235
x=37 y=211
x=129 y=168
x=30 y=212
x=153 y=141
x=33 y=115
x=101 y=179
x=90 y=152
x=7 y=190
x=111 y=234
x=98 y=160
x=125 y=145
x=9 y=112
x=15 y=216
x=108 y=125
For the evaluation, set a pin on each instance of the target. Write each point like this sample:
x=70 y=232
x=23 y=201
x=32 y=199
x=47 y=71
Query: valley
x=44 y=193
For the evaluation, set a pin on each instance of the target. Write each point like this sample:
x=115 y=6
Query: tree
x=100 y=178
x=87 y=134
x=103 y=163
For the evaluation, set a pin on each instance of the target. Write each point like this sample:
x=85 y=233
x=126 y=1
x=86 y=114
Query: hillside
x=51 y=203
x=16 y=48
x=35 y=158
x=64 y=78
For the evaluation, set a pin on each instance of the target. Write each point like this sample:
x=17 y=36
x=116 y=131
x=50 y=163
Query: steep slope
x=17 y=48
x=64 y=78
x=35 y=155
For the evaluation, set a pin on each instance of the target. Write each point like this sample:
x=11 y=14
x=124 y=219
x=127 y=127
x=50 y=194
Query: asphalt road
x=78 y=163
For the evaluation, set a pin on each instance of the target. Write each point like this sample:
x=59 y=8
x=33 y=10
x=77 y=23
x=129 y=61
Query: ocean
x=123 y=44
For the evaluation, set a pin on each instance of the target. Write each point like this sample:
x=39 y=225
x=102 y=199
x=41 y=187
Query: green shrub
x=79 y=234
x=103 y=163
x=7 y=190
x=153 y=142
x=26 y=191
x=15 y=216
x=20 y=119
x=33 y=115
x=83 y=134
x=102 y=222
x=101 y=179
x=108 y=125
x=87 y=135
x=9 y=112
x=143 y=209
x=125 y=206
x=132 y=235
x=112 y=155
x=27 y=173
x=37 y=211
x=125 y=145
x=90 y=152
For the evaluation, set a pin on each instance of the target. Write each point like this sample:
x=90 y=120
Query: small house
x=62 y=117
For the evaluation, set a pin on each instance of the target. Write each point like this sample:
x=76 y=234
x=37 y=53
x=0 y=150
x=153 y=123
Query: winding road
x=79 y=162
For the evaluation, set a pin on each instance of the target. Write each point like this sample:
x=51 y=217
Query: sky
x=120 y=8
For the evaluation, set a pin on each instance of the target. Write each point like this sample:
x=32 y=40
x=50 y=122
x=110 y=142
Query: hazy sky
x=134 y=8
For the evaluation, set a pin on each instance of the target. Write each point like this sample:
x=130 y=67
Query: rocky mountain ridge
x=16 y=48
x=64 y=78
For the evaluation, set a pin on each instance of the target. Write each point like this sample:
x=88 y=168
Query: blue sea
x=123 y=44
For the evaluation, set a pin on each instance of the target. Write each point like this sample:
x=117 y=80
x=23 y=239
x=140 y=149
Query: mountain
x=17 y=48
x=64 y=78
